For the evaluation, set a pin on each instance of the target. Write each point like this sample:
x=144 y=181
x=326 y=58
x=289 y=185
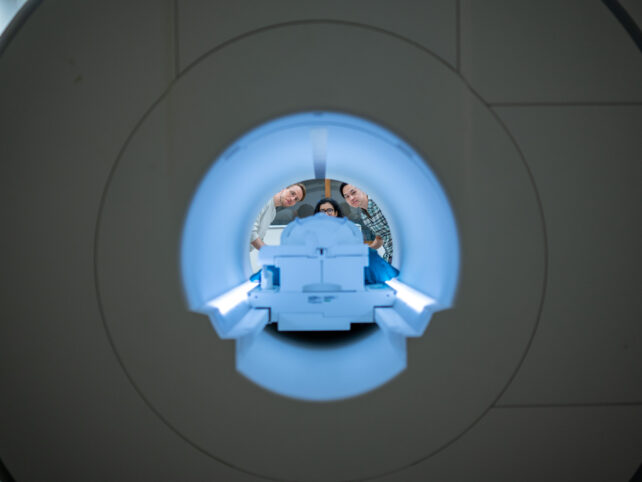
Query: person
x=328 y=206
x=378 y=270
x=372 y=218
x=375 y=272
x=286 y=197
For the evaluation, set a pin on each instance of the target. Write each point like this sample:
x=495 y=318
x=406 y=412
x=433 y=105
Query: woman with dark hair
x=328 y=206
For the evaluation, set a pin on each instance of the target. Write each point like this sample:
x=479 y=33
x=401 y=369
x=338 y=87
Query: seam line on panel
x=569 y=405
x=540 y=206
x=295 y=23
x=176 y=59
x=458 y=34
x=565 y=104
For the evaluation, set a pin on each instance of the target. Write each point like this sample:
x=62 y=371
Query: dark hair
x=343 y=184
x=335 y=205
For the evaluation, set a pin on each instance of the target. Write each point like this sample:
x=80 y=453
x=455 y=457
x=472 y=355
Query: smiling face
x=355 y=197
x=328 y=209
x=290 y=196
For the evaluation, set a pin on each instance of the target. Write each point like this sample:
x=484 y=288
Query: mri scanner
x=321 y=260
x=518 y=122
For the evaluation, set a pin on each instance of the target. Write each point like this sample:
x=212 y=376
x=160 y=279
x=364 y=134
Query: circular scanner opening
x=322 y=364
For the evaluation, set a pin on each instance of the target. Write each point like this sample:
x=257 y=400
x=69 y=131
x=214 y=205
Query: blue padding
x=378 y=269
x=276 y=275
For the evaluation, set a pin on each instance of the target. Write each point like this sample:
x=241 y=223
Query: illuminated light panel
x=227 y=301
x=413 y=298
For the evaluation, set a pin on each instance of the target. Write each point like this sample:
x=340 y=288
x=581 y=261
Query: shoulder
x=269 y=207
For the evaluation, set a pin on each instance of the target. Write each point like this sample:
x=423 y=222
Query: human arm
x=257 y=243
x=376 y=243
x=259 y=227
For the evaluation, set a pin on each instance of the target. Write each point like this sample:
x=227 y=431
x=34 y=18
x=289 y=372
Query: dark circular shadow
x=324 y=339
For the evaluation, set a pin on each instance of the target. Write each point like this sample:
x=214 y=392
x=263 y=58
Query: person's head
x=354 y=197
x=328 y=206
x=290 y=195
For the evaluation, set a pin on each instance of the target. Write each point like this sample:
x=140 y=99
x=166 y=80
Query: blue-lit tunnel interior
x=215 y=262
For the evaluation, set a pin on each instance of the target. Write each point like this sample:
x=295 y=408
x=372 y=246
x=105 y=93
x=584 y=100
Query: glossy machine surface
x=529 y=113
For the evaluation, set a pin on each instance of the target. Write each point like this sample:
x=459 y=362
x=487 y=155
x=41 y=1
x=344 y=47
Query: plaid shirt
x=374 y=220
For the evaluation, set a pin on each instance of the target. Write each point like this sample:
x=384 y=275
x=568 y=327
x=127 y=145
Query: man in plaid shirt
x=372 y=218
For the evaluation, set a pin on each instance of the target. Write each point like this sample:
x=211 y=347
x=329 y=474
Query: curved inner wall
x=214 y=255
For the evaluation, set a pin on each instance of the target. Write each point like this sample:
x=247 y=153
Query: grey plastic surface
x=588 y=347
x=106 y=375
x=548 y=52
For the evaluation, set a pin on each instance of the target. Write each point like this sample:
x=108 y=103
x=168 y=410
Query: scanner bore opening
x=319 y=145
x=317 y=190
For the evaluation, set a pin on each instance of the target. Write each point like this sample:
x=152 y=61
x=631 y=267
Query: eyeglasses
x=327 y=211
